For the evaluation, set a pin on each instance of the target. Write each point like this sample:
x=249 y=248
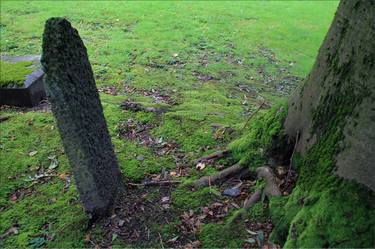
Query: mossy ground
x=14 y=74
x=216 y=70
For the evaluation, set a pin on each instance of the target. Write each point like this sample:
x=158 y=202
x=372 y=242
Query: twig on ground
x=161 y=241
x=137 y=107
x=153 y=183
x=252 y=115
x=216 y=155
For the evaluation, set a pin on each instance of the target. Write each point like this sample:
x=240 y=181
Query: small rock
x=232 y=192
x=140 y=158
x=121 y=223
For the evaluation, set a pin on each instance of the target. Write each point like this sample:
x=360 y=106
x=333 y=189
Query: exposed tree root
x=254 y=198
x=271 y=189
x=136 y=107
x=216 y=155
x=233 y=170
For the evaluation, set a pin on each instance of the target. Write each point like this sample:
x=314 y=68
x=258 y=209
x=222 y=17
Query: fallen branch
x=137 y=107
x=221 y=176
x=216 y=155
x=153 y=183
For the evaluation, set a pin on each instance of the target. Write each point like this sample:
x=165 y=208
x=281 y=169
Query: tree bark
x=71 y=89
x=340 y=93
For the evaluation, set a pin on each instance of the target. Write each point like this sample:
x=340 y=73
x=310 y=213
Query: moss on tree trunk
x=334 y=115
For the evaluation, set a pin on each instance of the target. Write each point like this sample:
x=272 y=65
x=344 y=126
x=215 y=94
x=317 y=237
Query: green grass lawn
x=216 y=60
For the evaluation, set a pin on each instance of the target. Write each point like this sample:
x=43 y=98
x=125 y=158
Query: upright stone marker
x=71 y=89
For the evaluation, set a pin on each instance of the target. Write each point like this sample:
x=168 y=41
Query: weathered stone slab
x=31 y=92
x=75 y=102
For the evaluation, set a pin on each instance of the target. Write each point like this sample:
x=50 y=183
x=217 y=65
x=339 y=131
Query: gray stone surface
x=71 y=89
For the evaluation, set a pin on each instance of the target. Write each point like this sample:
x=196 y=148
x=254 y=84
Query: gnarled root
x=254 y=198
x=271 y=188
x=233 y=170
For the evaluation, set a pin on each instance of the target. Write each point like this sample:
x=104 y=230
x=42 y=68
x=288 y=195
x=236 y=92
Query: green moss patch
x=185 y=199
x=263 y=137
x=219 y=236
x=14 y=74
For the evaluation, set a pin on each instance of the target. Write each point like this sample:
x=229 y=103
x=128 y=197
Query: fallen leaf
x=250 y=240
x=173 y=239
x=33 y=153
x=235 y=205
x=251 y=232
x=13 y=198
x=200 y=166
x=87 y=237
x=62 y=176
x=37 y=242
x=67 y=183
x=10 y=231
x=54 y=164
x=121 y=223
x=165 y=199
x=166 y=206
x=173 y=173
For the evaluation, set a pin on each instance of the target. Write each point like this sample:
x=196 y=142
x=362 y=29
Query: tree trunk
x=340 y=93
x=332 y=120
x=71 y=89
